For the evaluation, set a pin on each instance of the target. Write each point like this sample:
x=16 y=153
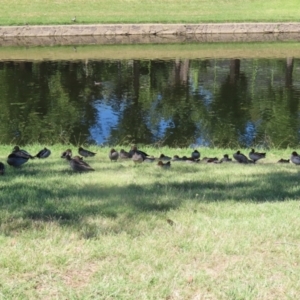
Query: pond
x=175 y=101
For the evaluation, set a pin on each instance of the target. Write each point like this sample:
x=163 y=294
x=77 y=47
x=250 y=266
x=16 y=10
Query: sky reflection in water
x=224 y=103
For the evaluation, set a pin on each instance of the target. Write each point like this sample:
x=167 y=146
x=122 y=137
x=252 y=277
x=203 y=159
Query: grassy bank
x=196 y=231
x=135 y=11
x=166 y=51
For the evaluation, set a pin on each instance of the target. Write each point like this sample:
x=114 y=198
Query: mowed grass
x=196 y=231
x=135 y=11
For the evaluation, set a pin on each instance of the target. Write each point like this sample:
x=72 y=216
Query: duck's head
x=67 y=152
x=160 y=163
x=16 y=148
x=295 y=153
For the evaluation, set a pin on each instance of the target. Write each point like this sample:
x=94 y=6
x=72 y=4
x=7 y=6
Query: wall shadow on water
x=74 y=206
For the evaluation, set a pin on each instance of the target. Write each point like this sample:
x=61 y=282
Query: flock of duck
x=18 y=157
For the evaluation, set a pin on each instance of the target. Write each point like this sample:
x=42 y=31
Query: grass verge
x=196 y=231
x=134 y=11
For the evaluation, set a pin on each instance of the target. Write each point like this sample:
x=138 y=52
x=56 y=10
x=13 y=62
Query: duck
x=176 y=158
x=138 y=158
x=85 y=153
x=65 y=153
x=44 y=153
x=195 y=154
x=134 y=149
x=255 y=156
x=164 y=157
x=283 y=161
x=241 y=158
x=113 y=155
x=16 y=160
x=18 y=157
x=164 y=165
x=210 y=159
x=295 y=158
x=78 y=165
x=124 y=154
x=2 y=168
x=225 y=158
x=190 y=159
x=149 y=159
x=23 y=152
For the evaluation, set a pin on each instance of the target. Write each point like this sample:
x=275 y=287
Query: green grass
x=105 y=235
x=136 y=11
x=165 y=51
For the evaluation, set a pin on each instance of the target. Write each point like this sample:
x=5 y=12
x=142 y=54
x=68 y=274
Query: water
x=174 y=102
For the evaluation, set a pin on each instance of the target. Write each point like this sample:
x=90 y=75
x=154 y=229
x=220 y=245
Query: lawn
x=135 y=11
x=195 y=231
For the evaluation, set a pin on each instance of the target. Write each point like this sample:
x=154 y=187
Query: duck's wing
x=22 y=154
x=80 y=165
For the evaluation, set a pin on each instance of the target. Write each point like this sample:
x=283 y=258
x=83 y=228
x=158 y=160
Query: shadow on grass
x=72 y=205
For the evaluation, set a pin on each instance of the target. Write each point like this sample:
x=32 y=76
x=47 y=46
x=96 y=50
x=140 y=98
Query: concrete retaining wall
x=29 y=41
x=147 y=29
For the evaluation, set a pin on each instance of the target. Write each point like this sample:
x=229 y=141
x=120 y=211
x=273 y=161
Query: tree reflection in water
x=223 y=103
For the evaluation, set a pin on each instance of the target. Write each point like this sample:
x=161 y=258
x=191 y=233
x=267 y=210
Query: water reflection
x=225 y=103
